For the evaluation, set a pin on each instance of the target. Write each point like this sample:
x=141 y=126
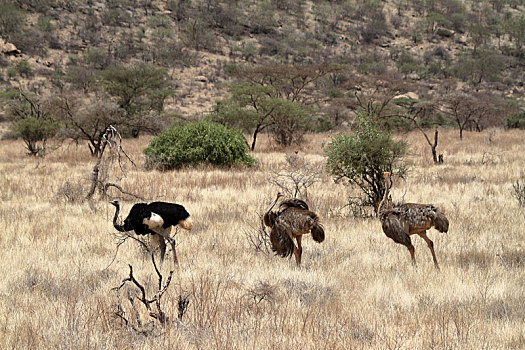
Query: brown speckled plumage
x=291 y=221
x=399 y=222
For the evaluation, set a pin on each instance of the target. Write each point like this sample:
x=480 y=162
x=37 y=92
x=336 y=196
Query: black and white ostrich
x=155 y=219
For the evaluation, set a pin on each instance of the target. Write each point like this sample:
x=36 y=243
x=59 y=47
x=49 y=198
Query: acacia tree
x=362 y=157
x=252 y=108
x=139 y=89
x=32 y=120
x=87 y=119
x=295 y=83
x=419 y=113
x=466 y=110
x=276 y=97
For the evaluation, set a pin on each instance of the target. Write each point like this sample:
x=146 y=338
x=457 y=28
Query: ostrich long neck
x=272 y=205
x=267 y=215
x=381 y=206
x=115 y=224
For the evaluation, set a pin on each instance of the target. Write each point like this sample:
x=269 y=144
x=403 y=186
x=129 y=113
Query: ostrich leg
x=298 y=250
x=171 y=241
x=431 y=247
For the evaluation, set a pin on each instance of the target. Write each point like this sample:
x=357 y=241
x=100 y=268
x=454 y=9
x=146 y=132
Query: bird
x=401 y=221
x=155 y=219
x=292 y=220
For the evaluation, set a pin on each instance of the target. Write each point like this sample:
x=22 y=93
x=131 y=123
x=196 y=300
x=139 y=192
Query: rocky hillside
x=426 y=47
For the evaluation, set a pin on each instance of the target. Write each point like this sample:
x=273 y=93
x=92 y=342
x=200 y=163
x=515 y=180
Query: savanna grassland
x=357 y=290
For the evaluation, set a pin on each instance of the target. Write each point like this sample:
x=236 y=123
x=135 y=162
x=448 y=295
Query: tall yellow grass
x=356 y=290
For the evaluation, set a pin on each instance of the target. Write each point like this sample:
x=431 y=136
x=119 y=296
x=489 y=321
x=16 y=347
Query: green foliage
x=476 y=67
x=12 y=19
x=252 y=107
x=362 y=157
x=516 y=120
x=159 y=22
x=45 y=24
x=515 y=28
x=138 y=88
x=21 y=68
x=196 y=143
x=96 y=57
x=35 y=132
x=406 y=63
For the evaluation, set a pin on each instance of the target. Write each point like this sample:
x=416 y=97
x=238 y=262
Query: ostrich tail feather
x=282 y=243
x=318 y=233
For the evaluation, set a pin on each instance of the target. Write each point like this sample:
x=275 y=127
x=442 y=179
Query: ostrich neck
x=380 y=207
x=272 y=205
x=268 y=216
x=115 y=224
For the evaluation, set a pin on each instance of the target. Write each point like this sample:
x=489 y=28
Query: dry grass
x=356 y=290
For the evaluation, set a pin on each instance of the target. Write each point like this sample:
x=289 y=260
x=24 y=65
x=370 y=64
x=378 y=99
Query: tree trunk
x=95 y=172
x=255 y=133
x=434 y=146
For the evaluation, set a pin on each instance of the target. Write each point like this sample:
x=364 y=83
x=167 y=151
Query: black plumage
x=154 y=219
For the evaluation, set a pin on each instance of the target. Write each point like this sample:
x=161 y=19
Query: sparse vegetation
x=276 y=71
x=355 y=283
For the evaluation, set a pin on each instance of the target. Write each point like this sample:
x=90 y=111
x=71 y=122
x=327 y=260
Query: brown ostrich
x=399 y=222
x=292 y=220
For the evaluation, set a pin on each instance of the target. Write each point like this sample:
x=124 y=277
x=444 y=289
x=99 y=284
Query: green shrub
x=360 y=158
x=12 y=19
x=21 y=68
x=35 y=132
x=516 y=120
x=195 y=143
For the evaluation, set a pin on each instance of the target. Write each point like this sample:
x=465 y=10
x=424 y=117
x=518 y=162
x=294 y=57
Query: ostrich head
x=115 y=202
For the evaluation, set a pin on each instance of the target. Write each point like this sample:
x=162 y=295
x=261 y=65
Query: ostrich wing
x=422 y=216
x=297 y=221
x=154 y=221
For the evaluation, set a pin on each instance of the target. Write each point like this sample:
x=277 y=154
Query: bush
x=195 y=143
x=12 y=19
x=516 y=120
x=35 y=132
x=361 y=158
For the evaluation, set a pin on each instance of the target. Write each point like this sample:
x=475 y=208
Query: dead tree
x=131 y=314
x=113 y=140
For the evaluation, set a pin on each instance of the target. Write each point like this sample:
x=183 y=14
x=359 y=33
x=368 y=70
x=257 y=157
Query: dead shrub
x=70 y=192
x=519 y=192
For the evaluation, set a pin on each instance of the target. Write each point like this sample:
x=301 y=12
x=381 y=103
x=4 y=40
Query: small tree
x=32 y=121
x=466 y=110
x=362 y=157
x=253 y=108
x=12 y=19
x=196 y=143
x=138 y=89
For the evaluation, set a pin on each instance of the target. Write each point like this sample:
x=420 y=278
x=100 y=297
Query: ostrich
x=155 y=219
x=292 y=220
x=401 y=221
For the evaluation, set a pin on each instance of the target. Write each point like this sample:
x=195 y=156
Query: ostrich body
x=291 y=221
x=399 y=222
x=155 y=219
